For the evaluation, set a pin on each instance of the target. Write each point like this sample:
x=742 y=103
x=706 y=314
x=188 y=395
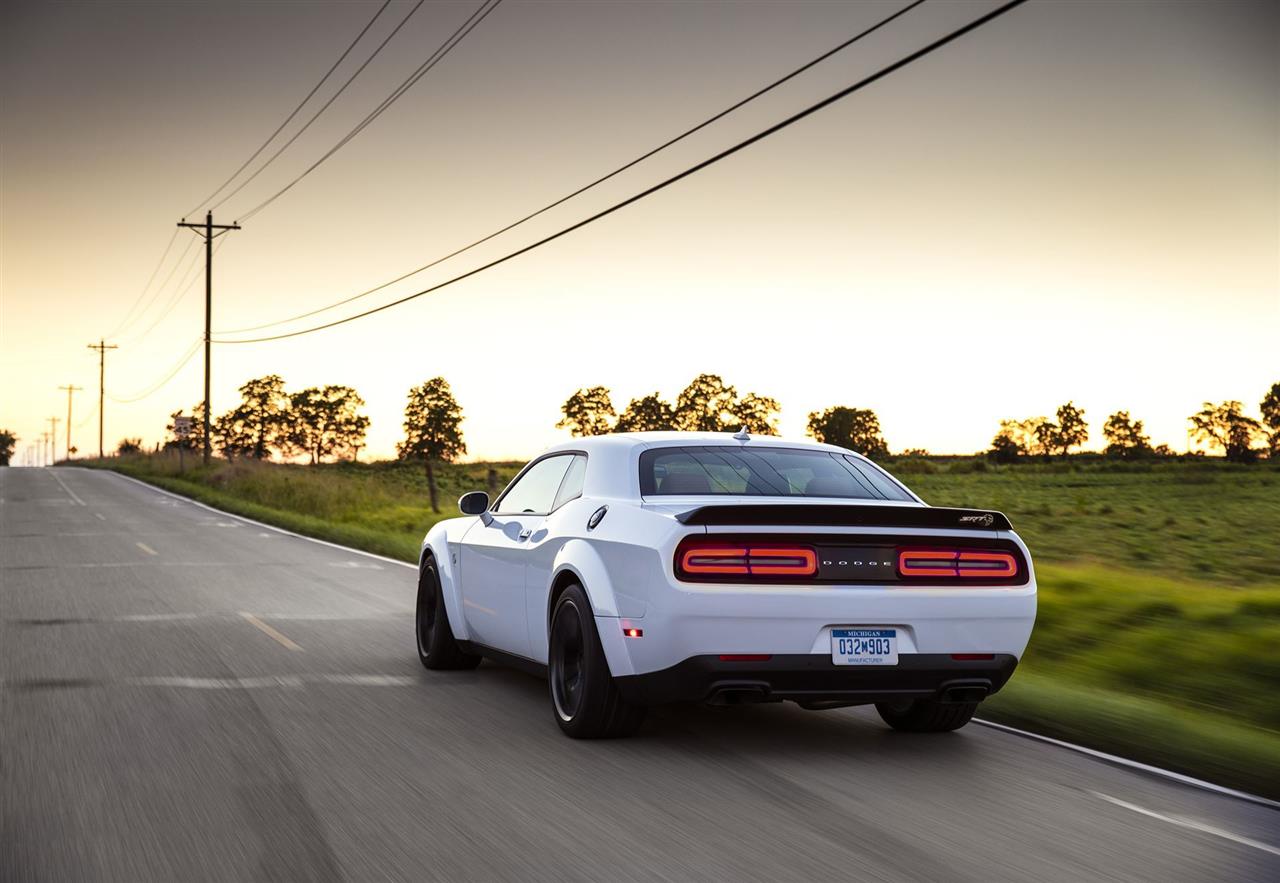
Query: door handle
x=526 y=533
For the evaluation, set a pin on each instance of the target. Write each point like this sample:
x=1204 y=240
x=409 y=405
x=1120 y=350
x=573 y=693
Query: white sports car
x=646 y=568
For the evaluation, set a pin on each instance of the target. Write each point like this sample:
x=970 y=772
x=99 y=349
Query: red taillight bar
x=761 y=560
x=956 y=563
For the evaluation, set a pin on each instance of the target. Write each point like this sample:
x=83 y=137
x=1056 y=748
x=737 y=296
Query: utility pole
x=44 y=448
x=70 y=388
x=53 y=439
x=206 y=230
x=102 y=347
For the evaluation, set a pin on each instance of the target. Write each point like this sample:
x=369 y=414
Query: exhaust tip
x=965 y=693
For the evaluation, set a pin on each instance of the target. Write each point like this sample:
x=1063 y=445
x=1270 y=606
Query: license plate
x=864 y=646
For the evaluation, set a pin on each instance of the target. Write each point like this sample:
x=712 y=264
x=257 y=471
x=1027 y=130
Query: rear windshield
x=763 y=472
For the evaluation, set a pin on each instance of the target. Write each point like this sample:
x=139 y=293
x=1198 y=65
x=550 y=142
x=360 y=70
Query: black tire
x=926 y=715
x=584 y=699
x=437 y=648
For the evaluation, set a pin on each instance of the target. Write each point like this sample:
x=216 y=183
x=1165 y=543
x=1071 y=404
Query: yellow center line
x=267 y=630
x=144 y=547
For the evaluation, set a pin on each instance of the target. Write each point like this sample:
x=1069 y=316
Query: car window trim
x=519 y=475
x=565 y=478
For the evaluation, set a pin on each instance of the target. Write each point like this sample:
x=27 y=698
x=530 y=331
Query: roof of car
x=675 y=439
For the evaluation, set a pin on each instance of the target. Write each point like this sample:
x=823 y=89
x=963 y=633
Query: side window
x=535 y=491
x=571 y=487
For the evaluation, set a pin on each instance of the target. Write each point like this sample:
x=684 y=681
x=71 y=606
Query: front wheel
x=585 y=700
x=926 y=715
x=437 y=647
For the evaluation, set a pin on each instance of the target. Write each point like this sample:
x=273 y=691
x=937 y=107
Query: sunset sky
x=1079 y=201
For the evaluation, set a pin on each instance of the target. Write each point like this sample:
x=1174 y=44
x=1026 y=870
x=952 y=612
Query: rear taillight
x=963 y=563
x=703 y=559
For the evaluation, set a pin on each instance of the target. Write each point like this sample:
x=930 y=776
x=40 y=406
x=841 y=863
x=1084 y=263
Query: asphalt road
x=188 y=696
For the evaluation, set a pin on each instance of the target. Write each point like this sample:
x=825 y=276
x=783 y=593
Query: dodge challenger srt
x=638 y=569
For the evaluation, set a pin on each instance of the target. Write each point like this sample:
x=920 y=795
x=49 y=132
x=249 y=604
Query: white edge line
x=288 y=533
x=1100 y=755
x=1136 y=765
x=1190 y=824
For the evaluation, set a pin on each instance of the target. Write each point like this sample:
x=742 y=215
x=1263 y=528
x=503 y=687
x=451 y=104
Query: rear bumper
x=813 y=678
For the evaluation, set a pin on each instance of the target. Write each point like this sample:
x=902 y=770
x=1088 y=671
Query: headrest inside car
x=684 y=483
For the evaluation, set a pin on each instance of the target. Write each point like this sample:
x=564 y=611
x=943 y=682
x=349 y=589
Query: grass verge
x=1185 y=740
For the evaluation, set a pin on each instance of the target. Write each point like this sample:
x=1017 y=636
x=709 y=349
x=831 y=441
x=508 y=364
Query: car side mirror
x=474 y=503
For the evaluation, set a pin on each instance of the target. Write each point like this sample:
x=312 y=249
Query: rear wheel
x=585 y=700
x=926 y=715
x=437 y=648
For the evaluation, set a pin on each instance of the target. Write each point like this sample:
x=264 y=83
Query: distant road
x=188 y=696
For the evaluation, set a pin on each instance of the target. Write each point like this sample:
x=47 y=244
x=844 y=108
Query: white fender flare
x=437 y=543
x=579 y=558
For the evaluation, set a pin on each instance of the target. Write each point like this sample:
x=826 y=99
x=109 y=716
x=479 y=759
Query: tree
x=1070 y=431
x=1005 y=447
x=857 y=429
x=588 y=412
x=1225 y=426
x=327 y=422
x=706 y=405
x=433 y=430
x=1022 y=438
x=755 y=414
x=128 y=447
x=647 y=414
x=1271 y=419
x=7 y=442
x=260 y=422
x=1125 y=437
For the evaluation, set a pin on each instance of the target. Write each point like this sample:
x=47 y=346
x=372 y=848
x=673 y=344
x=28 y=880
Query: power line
x=178 y=294
x=172 y=373
x=598 y=181
x=322 y=109
x=142 y=293
x=290 y=117
x=454 y=39
x=741 y=145
x=159 y=290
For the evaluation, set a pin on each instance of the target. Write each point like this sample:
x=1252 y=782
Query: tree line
x=325 y=423
x=321 y=423
x=708 y=404
x=1223 y=426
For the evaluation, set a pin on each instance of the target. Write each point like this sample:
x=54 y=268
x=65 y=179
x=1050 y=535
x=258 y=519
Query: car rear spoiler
x=846 y=515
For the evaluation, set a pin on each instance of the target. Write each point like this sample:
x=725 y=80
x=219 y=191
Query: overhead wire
x=323 y=108
x=128 y=315
x=453 y=40
x=598 y=181
x=156 y=387
x=294 y=113
x=730 y=151
x=160 y=289
x=178 y=294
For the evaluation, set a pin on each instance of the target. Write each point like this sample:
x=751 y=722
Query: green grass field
x=1158 y=634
